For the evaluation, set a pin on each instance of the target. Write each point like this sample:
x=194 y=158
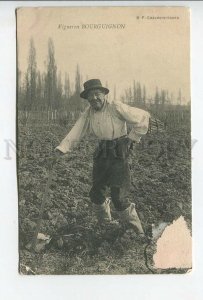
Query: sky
x=144 y=47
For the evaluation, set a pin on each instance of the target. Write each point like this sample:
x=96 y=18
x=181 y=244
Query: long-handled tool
x=44 y=200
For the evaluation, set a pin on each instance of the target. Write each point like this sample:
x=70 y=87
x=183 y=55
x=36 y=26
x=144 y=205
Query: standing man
x=107 y=121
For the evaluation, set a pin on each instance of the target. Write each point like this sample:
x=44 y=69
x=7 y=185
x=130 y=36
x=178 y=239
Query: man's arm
x=76 y=134
x=136 y=116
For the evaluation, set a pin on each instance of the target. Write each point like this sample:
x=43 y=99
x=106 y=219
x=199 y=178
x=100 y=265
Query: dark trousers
x=111 y=169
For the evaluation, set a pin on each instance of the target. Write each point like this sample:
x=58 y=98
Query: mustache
x=96 y=104
x=95 y=101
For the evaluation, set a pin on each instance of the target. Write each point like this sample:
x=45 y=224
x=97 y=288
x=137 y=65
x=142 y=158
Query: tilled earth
x=161 y=190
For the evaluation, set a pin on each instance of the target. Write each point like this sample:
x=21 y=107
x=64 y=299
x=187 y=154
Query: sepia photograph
x=103 y=140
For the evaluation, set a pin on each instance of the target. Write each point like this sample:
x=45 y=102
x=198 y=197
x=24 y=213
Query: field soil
x=72 y=242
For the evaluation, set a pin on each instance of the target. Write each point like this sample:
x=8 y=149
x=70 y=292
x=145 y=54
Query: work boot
x=102 y=211
x=130 y=216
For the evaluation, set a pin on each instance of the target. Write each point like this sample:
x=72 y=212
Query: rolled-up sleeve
x=136 y=116
x=76 y=134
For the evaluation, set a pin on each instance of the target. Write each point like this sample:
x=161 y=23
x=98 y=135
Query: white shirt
x=107 y=124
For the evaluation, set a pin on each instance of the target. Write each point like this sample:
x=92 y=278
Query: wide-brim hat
x=91 y=85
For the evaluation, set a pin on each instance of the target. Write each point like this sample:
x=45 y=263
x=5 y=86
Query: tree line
x=48 y=91
x=136 y=95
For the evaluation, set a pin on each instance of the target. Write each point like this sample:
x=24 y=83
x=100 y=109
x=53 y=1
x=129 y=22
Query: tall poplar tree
x=31 y=78
x=51 y=78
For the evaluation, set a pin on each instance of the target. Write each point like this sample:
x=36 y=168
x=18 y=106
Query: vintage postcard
x=104 y=140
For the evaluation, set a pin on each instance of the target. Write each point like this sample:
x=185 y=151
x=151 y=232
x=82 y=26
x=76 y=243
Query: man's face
x=96 y=99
